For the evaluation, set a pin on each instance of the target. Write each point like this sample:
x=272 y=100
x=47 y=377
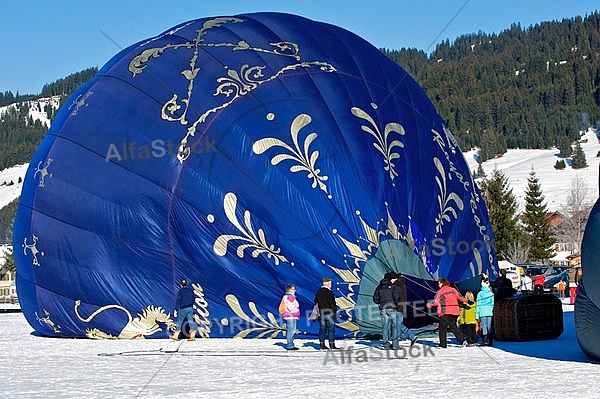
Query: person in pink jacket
x=446 y=300
x=291 y=315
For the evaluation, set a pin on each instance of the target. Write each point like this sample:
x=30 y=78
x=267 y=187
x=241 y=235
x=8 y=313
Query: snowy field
x=37 y=367
x=8 y=191
x=555 y=184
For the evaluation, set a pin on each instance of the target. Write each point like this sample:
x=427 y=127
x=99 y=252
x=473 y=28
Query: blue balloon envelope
x=587 y=303
x=242 y=153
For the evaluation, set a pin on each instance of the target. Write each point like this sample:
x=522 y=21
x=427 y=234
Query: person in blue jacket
x=485 y=311
x=184 y=304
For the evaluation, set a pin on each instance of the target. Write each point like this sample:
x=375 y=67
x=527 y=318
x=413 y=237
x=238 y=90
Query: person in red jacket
x=538 y=284
x=446 y=300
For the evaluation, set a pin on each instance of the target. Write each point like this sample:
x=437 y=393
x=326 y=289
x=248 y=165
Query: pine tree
x=560 y=164
x=537 y=226
x=9 y=262
x=564 y=146
x=502 y=205
x=9 y=259
x=578 y=157
x=480 y=171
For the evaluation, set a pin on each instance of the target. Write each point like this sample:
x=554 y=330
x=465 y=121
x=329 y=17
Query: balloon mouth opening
x=395 y=256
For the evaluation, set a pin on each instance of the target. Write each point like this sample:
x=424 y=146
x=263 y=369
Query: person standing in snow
x=325 y=299
x=184 y=304
x=538 y=284
x=502 y=287
x=561 y=286
x=485 y=311
x=291 y=315
x=402 y=330
x=526 y=283
x=387 y=296
x=467 y=320
x=446 y=300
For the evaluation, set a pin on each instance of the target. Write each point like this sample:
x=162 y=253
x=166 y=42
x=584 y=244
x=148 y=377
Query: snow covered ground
x=8 y=191
x=37 y=367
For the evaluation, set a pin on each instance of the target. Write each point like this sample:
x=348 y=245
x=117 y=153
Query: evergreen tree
x=9 y=262
x=480 y=171
x=491 y=144
x=560 y=164
x=20 y=134
x=502 y=206
x=578 y=157
x=564 y=146
x=9 y=259
x=541 y=242
x=7 y=216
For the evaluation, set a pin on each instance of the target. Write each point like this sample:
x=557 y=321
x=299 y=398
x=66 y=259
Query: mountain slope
x=555 y=184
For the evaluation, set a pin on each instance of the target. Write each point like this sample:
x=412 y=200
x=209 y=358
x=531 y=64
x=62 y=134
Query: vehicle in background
x=536 y=270
x=523 y=267
x=551 y=283
x=515 y=278
x=547 y=270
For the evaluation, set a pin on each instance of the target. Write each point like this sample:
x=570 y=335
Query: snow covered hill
x=37 y=111
x=37 y=108
x=555 y=184
x=8 y=191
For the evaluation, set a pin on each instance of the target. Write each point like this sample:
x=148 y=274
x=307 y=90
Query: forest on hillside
x=534 y=87
x=20 y=135
x=63 y=87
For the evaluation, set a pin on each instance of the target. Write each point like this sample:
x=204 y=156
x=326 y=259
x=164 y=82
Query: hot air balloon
x=242 y=153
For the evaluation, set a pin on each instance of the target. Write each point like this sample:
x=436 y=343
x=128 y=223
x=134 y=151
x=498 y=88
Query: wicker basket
x=528 y=318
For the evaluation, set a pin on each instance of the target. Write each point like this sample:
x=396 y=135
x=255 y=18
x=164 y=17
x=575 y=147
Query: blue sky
x=43 y=41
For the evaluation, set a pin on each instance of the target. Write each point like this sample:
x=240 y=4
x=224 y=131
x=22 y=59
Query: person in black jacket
x=184 y=305
x=401 y=330
x=387 y=296
x=325 y=299
x=502 y=287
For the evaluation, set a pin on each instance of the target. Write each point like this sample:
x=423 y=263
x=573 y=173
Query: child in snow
x=467 y=320
x=561 y=286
